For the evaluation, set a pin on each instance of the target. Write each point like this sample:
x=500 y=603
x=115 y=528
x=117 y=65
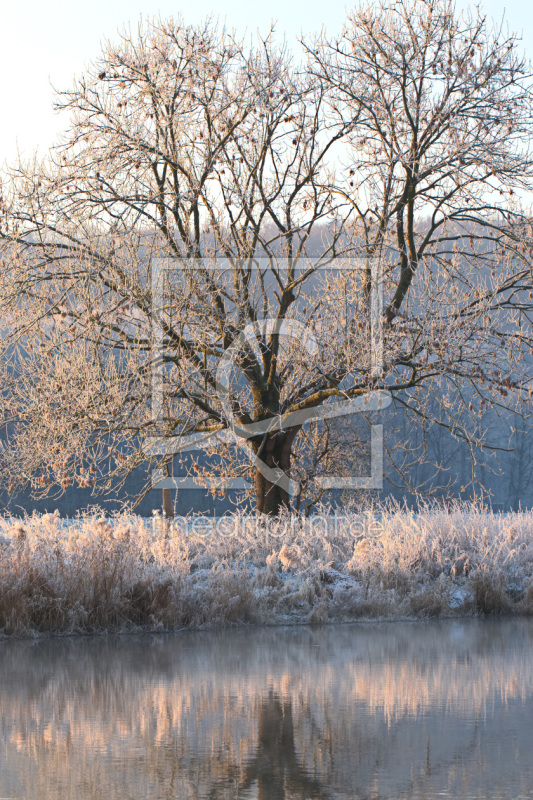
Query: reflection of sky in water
x=422 y=710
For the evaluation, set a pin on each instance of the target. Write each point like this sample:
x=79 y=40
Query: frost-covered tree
x=242 y=187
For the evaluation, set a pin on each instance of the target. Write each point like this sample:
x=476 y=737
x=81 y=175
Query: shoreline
x=41 y=636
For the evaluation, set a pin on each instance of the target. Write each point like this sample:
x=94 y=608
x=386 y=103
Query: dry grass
x=93 y=574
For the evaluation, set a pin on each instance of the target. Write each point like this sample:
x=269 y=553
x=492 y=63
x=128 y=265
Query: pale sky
x=48 y=42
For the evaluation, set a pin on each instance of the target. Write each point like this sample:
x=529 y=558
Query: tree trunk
x=271 y=498
x=168 y=508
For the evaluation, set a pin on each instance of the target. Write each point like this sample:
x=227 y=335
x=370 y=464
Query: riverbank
x=128 y=573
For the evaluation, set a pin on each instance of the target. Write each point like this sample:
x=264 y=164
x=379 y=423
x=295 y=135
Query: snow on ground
x=129 y=573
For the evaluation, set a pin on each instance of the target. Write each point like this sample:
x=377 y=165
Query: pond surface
x=438 y=709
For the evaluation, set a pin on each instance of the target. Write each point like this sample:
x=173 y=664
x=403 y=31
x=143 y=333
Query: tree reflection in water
x=275 y=765
x=404 y=711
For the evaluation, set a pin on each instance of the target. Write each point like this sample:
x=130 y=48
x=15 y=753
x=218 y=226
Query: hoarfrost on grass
x=126 y=573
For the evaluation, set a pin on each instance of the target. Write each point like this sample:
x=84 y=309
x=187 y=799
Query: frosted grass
x=129 y=573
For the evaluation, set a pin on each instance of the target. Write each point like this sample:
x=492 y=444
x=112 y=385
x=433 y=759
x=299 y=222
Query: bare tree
x=182 y=146
x=402 y=142
x=437 y=163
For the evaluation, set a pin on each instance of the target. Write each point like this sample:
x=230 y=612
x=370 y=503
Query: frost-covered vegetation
x=208 y=183
x=127 y=572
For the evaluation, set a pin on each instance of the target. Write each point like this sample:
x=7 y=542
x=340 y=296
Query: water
x=427 y=710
